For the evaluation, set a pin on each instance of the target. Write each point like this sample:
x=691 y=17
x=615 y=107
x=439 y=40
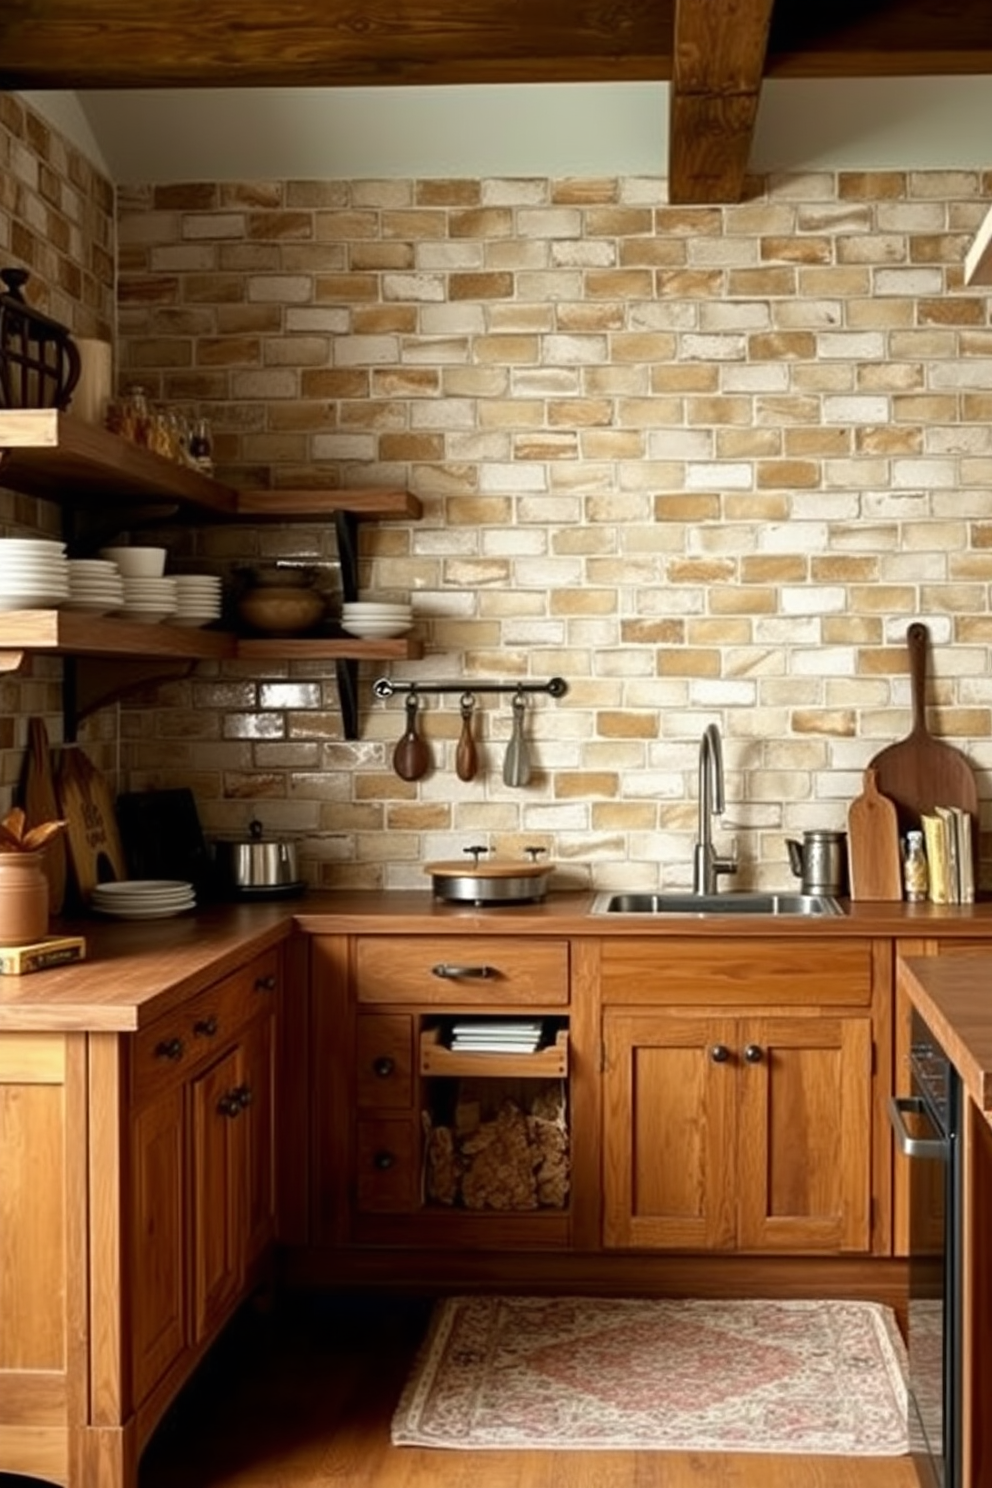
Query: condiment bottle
x=915 y=876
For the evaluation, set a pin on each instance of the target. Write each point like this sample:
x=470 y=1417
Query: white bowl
x=137 y=563
x=376 y=630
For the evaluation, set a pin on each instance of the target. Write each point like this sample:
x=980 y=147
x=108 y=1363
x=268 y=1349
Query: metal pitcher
x=820 y=861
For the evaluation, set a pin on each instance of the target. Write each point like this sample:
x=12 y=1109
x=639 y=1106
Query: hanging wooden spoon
x=411 y=757
x=466 y=759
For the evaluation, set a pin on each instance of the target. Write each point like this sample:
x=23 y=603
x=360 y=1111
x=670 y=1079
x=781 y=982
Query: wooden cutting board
x=95 y=850
x=874 y=862
x=41 y=805
x=921 y=772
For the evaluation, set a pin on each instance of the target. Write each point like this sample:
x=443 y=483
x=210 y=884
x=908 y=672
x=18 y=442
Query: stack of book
x=489 y=1036
x=947 y=835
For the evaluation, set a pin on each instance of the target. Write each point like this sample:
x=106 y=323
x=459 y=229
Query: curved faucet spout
x=706 y=866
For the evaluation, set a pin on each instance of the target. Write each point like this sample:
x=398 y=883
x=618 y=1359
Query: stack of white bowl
x=198 y=599
x=95 y=586
x=374 y=620
x=148 y=596
x=33 y=574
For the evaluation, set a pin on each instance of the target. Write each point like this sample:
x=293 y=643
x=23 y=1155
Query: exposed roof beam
x=718 y=61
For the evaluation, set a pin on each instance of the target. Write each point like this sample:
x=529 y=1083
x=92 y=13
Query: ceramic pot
x=23 y=898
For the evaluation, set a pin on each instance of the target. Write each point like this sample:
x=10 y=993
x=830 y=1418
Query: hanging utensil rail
x=385 y=687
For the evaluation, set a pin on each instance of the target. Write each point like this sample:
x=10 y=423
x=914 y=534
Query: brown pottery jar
x=23 y=898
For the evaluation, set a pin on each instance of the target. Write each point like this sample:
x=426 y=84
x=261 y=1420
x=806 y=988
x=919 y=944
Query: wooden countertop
x=954 y=995
x=136 y=970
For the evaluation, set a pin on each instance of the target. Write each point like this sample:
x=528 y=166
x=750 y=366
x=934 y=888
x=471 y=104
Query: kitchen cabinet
x=383 y=1006
x=92 y=475
x=137 y=1207
x=738 y=1096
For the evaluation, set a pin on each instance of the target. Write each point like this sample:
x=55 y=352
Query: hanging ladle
x=411 y=757
x=466 y=759
x=516 y=766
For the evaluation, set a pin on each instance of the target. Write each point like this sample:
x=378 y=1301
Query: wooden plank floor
x=302 y=1398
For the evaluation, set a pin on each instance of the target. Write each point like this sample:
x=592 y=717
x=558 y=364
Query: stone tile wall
x=57 y=221
x=705 y=463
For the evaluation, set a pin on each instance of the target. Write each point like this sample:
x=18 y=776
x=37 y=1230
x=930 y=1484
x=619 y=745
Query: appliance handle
x=909 y=1145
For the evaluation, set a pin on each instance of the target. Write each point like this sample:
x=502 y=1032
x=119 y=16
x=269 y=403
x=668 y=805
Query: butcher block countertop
x=954 y=995
x=137 y=970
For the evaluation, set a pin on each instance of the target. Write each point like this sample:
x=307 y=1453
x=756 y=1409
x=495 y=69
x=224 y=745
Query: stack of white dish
x=148 y=600
x=143 y=898
x=198 y=599
x=95 y=585
x=374 y=621
x=33 y=574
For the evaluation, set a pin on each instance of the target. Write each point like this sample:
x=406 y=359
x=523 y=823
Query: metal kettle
x=820 y=861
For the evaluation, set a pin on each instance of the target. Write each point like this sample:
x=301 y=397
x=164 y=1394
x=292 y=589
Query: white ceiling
x=563 y=129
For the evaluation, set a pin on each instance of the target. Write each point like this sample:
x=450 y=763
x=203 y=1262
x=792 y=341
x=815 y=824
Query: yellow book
x=55 y=950
x=953 y=866
x=966 y=853
x=935 y=837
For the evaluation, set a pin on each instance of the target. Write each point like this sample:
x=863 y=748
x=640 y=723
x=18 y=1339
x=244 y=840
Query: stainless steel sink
x=716 y=904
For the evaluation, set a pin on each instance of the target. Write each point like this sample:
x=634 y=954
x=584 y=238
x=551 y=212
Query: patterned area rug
x=600 y=1373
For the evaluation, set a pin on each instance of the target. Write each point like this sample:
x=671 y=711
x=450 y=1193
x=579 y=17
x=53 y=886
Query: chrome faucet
x=706 y=866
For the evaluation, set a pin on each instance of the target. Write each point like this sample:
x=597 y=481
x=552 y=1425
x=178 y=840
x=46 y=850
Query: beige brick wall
x=57 y=221
x=706 y=464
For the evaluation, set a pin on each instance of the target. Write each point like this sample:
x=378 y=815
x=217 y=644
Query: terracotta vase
x=23 y=898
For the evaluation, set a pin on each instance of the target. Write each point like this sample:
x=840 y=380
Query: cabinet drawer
x=384 y=1048
x=739 y=973
x=179 y=1043
x=463 y=970
x=388 y=1166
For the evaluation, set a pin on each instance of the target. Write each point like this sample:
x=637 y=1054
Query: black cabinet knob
x=383 y=1161
x=169 y=1049
x=383 y=1066
x=265 y=984
x=206 y=1027
x=719 y=1054
x=754 y=1053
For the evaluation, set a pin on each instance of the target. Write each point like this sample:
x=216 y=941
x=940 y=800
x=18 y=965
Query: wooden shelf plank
x=437 y=1059
x=327 y=648
x=83 y=635
x=51 y=454
x=372 y=504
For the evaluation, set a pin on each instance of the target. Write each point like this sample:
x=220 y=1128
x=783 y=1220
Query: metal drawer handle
x=384 y=1161
x=719 y=1053
x=908 y=1145
x=754 y=1053
x=383 y=1066
x=445 y=969
x=206 y=1027
x=265 y=984
x=170 y=1049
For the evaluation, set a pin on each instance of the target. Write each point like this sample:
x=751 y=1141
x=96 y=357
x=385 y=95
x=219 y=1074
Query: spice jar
x=915 y=875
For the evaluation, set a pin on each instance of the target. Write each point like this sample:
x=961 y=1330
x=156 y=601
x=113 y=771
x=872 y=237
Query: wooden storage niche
x=495 y=1120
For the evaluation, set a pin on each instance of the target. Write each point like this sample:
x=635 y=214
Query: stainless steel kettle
x=820 y=860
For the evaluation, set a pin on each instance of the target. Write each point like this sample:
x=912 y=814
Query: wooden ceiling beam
x=884 y=38
x=718 y=62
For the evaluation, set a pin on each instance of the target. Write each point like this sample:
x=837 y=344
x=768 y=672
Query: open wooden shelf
x=53 y=456
x=436 y=1058
x=50 y=454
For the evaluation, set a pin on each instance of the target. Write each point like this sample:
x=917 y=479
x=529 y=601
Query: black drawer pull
x=230 y=1104
x=206 y=1027
x=173 y=1048
x=445 y=969
x=384 y=1161
x=754 y=1053
x=265 y=984
x=384 y=1066
x=719 y=1053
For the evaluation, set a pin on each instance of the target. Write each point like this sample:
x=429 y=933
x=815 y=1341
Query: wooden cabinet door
x=804 y=1143
x=669 y=1140
x=257 y=1133
x=157 y=1239
x=217 y=1117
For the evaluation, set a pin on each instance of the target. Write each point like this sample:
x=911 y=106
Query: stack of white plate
x=373 y=621
x=33 y=574
x=198 y=599
x=143 y=898
x=94 y=586
x=150 y=600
